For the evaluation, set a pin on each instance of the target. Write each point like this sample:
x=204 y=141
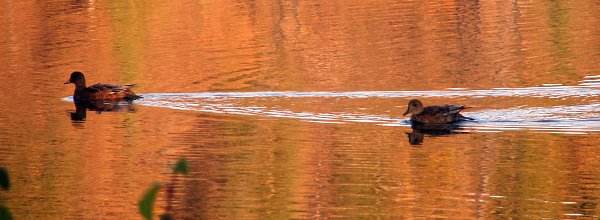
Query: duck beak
x=406 y=113
x=68 y=81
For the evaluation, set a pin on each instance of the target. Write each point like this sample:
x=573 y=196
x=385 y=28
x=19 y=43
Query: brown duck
x=100 y=92
x=439 y=114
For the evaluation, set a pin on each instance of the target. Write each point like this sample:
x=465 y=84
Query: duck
x=100 y=92
x=439 y=114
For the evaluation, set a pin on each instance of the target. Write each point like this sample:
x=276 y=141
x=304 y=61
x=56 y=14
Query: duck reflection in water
x=417 y=136
x=81 y=108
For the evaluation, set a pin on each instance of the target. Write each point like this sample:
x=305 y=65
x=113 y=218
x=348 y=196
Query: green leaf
x=147 y=202
x=4 y=182
x=181 y=166
x=5 y=214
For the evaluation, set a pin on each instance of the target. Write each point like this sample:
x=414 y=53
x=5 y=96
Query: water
x=294 y=109
x=581 y=118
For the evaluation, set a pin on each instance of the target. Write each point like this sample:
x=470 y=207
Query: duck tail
x=462 y=117
x=132 y=96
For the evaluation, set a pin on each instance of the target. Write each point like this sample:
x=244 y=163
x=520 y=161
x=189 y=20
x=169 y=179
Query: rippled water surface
x=290 y=110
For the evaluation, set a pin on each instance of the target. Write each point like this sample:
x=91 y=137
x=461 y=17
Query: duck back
x=106 y=92
x=439 y=115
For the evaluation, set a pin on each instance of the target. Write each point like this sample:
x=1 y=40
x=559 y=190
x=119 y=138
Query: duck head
x=415 y=107
x=78 y=79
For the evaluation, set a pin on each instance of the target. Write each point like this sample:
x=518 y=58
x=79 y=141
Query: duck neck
x=79 y=85
x=418 y=110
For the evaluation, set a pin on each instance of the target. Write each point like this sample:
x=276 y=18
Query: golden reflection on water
x=257 y=167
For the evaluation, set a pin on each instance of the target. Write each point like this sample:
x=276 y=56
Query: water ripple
x=581 y=118
x=586 y=88
x=576 y=119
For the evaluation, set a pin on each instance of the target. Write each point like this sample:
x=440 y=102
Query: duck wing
x=440 y=114
x=454 y=109
x=113 y=88
x=442 y=110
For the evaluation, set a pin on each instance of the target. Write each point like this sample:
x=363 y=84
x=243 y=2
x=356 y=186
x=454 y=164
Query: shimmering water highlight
x=580 y=118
